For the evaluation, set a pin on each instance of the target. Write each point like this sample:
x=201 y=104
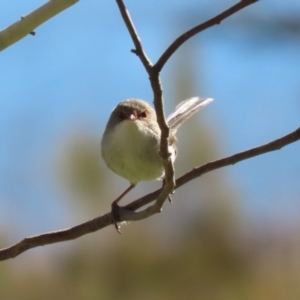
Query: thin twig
x=28 y=23
x=197 y=29
x=128 y=211
x=139 y=51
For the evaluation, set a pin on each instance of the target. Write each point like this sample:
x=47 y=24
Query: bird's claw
x=170 y=199
x=115 y=216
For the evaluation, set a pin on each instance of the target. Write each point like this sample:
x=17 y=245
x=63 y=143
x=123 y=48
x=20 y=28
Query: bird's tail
x=185 y=109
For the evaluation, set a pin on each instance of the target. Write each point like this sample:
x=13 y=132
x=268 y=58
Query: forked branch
x=155 y=81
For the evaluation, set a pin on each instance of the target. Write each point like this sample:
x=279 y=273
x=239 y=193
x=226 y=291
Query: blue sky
x=79 y=66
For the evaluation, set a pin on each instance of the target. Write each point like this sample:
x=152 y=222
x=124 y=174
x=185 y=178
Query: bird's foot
x=115 y=216
x=170 y=198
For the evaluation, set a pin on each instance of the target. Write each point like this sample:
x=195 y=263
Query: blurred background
x=230 y=234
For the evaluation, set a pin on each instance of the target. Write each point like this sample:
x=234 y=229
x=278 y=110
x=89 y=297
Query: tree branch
x=190 y=33
x=128 y=212
x=223 y=162
x=159 y=108
x=28 y=23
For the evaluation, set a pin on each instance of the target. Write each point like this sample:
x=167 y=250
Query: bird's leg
x=115 y=215
x=169 y=197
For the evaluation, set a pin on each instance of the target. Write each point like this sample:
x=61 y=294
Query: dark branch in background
x=129 y=214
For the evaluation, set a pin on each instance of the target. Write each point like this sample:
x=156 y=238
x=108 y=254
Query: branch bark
x=128 y=212
x=28 y=23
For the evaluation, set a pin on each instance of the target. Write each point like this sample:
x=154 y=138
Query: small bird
x=131 y=141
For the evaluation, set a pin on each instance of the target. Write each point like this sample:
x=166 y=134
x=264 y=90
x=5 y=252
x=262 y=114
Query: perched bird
x=131 y=141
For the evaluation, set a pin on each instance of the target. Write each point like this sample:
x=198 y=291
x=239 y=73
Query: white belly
x=132 y=151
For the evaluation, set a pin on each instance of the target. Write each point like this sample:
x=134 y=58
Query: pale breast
x=131 y=150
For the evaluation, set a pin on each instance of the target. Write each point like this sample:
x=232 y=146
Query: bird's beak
x=131 y=117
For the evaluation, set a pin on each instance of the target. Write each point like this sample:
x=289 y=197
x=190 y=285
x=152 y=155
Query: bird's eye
x=144 y=114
